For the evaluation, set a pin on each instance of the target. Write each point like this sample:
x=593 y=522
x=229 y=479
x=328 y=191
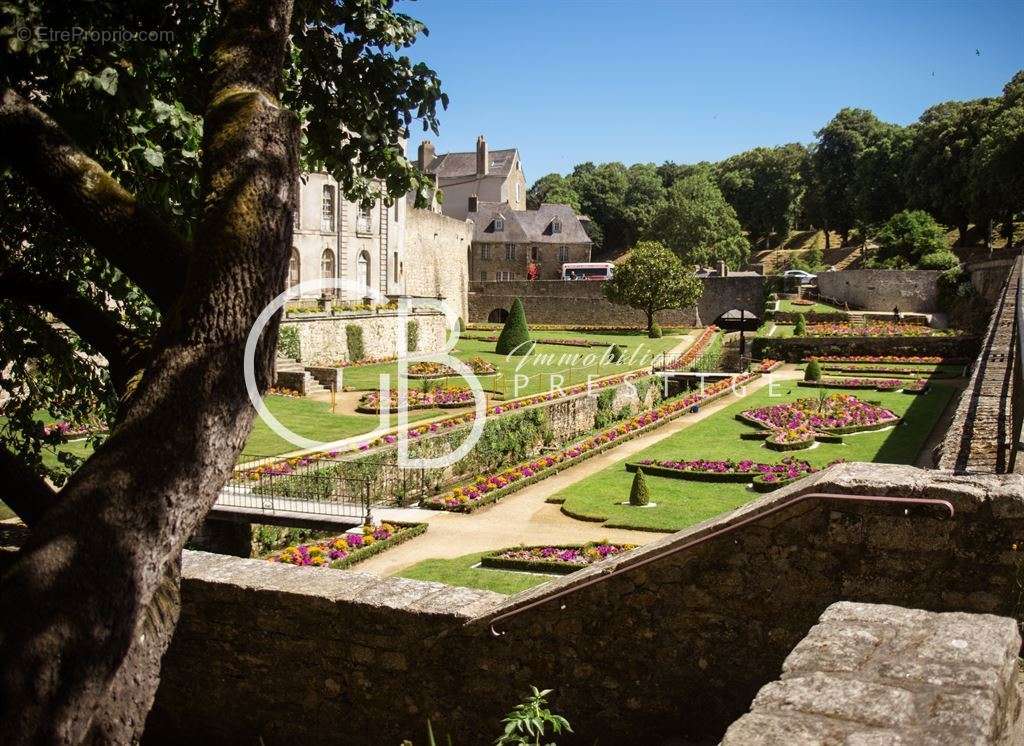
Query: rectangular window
x=485 y=252
x=364 y=222
x=472 y=204
x=504 y=275
x=534 y=254
x=563 y=253
x=397 y=266
x=510 y=252
x=327 y=210
x=483 y=277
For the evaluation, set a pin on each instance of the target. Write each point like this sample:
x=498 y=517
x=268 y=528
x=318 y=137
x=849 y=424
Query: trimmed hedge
x=655 y=470
x=515 y=335
x=639 y=495
x=493 y=561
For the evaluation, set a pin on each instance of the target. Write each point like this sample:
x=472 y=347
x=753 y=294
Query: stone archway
x=497 y=316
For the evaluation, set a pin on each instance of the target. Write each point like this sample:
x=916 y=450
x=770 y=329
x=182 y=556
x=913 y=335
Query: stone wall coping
x=355 y=315
x=876 y=673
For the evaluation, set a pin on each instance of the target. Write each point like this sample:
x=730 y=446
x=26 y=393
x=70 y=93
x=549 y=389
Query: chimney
x=722 y=269
x=483 y=161
x=425 y=155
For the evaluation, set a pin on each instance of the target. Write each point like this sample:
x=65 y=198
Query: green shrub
x=655 y=332
x=638 y=493
x=907 y=237
x=615 y=354
x=462 y=324
x=354 y=339
x=516 y=334
x=939 y=260
x=288 y=342
x=801 y=326
x=412 y=336
x=813 y=371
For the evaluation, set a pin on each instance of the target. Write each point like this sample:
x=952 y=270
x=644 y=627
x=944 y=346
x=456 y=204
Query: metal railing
x=668 y=551
x=1016 y=465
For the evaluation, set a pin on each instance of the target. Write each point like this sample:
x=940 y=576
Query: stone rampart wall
x=677 y=648
x=323 y=339
x=882 y=289
x=795 y=349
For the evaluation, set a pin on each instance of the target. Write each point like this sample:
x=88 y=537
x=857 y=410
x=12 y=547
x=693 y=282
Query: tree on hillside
x=941 y=160
x=699 y=225
x=553 y=189
x=653 y=279
x=835 y=157
x=878 y=182
x=148 y=191
x=763 y=186
x=644 y=197
x=906 y=238
x=997 y=174
x=671 y=172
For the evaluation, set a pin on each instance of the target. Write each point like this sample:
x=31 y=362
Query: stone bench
x=877 y=674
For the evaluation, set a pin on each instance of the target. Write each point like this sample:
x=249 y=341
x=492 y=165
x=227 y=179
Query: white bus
x=587 y=270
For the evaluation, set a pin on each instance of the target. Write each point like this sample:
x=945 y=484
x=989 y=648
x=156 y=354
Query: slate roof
x=527 y=226
x=456 y=165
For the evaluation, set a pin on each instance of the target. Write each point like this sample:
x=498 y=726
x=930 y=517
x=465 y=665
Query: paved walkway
x=524 y=518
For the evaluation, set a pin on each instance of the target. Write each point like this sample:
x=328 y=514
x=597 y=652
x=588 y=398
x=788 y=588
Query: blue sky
x=633 y=80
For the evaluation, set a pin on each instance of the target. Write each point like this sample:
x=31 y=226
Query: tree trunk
x=650 y=321
x=1008 y=230
x=96 y=583
x=961 y=234
x=828 y=242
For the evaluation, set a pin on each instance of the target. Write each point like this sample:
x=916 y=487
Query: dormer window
x=499 y=224
x=472 y=204
x=556 y=226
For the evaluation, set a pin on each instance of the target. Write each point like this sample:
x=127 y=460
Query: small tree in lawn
x=801 y=326
x=653 y=279
x=638 y=493
x=813 y=371
x=516 y=334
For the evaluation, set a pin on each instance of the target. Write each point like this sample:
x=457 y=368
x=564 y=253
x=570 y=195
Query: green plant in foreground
x=639 y=495
x=813 y=371
x=530 y=720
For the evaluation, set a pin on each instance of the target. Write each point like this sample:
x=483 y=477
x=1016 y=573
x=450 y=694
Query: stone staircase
x=290 y=374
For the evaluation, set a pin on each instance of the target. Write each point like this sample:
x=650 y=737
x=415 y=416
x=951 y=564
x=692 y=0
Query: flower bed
x=695 y=351
x=885 y=370
x=356 y=363
x=879 y=384
x=703 y=470
x=484 y=490
x=802 y=302
x=344 y=551
x=897 y=359
x=443 y=398
x=67 y=430
x=795 y=425
x=560 y=559
x=876 y=329
x=540 y=341
x=917 y=387
x=478 y=365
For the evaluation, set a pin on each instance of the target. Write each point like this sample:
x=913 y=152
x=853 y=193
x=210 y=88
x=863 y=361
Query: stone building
x=394 y=249
x=467 y=180
x=506 y=241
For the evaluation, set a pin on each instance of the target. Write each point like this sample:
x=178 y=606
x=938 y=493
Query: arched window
x=327 y=215
x=327 y=270
x=363 y=271
x=293 y=269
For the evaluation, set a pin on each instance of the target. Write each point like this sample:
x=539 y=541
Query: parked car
x=804 y=277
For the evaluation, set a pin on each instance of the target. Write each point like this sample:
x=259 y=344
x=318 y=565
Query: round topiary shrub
x=638 y=493
x=813 y=371
x=655 y=332
x=939 y=260
x=801 y=326
x=516 y=334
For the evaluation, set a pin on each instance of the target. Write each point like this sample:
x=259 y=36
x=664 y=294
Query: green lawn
x=789 y=306
x=312 y=419
x=780 y=330
x=539 y=366
x=460 y=572
x=681 y=503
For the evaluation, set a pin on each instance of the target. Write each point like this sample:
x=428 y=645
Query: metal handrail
x=1017 y=395
x=669 y=551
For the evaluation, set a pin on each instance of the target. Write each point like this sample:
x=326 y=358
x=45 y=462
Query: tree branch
x=91 y=200
x=24 y=492
x=95 y=325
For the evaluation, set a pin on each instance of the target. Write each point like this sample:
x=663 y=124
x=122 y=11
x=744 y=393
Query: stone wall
x=677 y=648
x=583 y=302
x=989 y=277
x=795 y=349
x=323 y=339
x=871 y=673
x=980 y=437
x=437 y=258
x=882 y=289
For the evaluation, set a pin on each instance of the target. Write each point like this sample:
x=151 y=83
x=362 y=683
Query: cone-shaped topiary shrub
x=515 y=333
x=801 y=326
x=655 y=332
x=638 y=494
x=813 y=371
x=615 y=354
